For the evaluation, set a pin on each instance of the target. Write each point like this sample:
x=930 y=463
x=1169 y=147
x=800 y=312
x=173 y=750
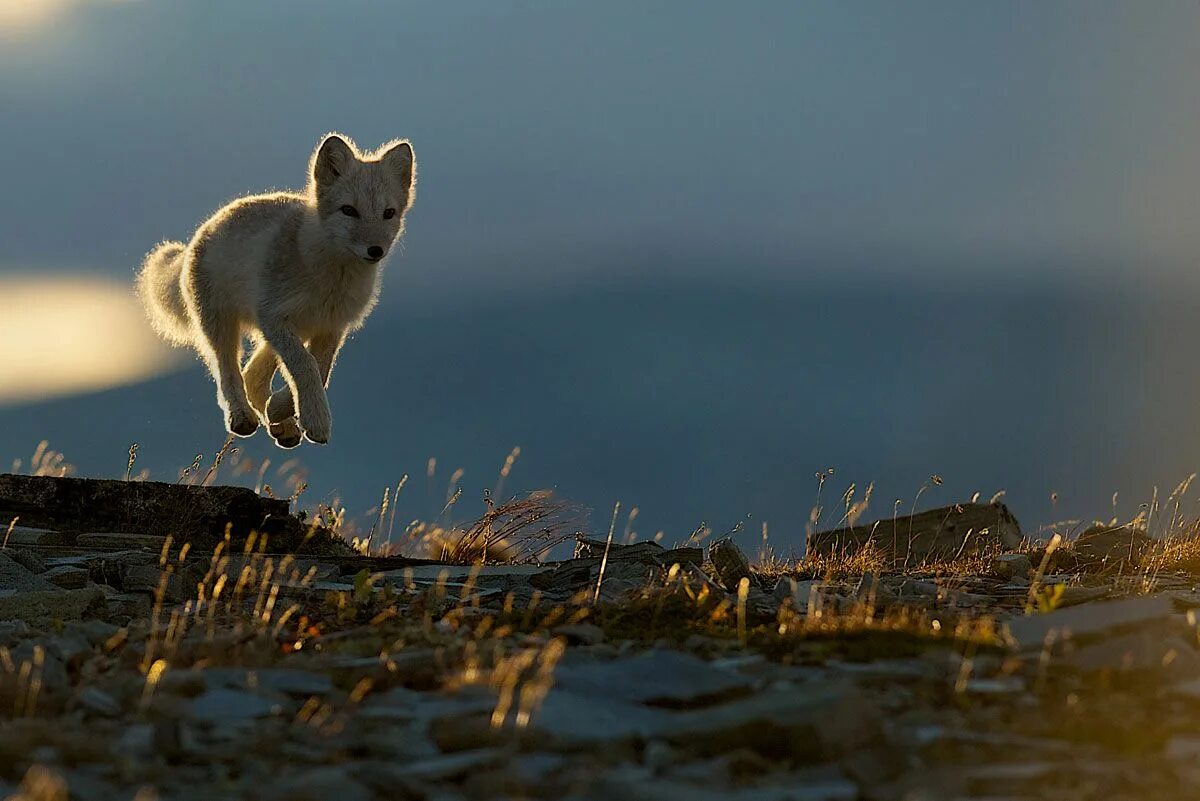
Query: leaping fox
x=295 y=272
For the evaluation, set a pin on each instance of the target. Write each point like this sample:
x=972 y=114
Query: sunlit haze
x=63 y=335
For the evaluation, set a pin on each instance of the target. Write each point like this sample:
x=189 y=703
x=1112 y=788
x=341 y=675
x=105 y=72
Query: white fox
x=296 y=272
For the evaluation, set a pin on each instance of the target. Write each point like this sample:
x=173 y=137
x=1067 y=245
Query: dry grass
x=516 y=531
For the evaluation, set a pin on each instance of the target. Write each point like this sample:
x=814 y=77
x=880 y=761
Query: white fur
x=293 y=272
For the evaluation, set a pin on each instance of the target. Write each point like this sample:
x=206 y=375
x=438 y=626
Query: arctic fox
x=296 y=272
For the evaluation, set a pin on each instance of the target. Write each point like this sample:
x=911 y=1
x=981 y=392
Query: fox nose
x=375 y=252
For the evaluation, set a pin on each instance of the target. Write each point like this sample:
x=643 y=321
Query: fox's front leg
x=303 y=378
x=324 y=349
x=220 y=344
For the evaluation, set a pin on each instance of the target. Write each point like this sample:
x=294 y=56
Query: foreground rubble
x=138 y=665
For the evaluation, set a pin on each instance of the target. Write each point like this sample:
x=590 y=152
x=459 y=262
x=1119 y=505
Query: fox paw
x=241 y=422
x=281 y=406
x=286 y=433
x=315 y=421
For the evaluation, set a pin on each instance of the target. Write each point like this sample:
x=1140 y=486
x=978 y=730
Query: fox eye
x=389 y=214
x=349 y=211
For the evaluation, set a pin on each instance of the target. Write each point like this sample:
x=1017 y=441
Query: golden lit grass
x=516 y=531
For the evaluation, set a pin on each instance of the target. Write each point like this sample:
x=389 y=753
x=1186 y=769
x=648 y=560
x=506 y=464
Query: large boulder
x=943 y=533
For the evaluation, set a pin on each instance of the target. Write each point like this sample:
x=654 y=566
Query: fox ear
x=398 y=160
x=331 y=159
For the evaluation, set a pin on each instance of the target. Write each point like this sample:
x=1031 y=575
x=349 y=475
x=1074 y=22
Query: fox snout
x=375 y=253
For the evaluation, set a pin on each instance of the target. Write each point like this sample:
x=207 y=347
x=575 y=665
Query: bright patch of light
x=24 y=17
x=66 y=335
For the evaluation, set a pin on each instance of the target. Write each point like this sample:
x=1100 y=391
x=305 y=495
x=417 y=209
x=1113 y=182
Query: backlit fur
x=294 y=273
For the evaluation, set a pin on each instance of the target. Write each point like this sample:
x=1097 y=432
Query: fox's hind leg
x=220 y=344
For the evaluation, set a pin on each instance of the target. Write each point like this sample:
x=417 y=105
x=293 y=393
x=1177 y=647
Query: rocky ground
x=946 y=657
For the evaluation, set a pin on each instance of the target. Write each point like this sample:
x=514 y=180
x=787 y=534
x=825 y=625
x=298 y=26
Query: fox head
x=361 y=198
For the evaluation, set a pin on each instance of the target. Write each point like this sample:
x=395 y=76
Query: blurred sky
x=1054 y=134
x=563 y=145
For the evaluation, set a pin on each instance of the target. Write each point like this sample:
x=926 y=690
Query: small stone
x=96 y=632
x=317 y=784
x=230 y=705
x=1012 y=566
x=870 y=588
x=729 y=562
x=70 y=578
x=53 y=675
x=99 y=702
x=129 y=604
x=580 y=633
x=153 y=579
x=70 y=648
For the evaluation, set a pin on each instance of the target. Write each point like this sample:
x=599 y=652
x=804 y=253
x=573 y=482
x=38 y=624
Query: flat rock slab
x=24 y=535
x=195 y=514
x=67 y=577
x=119 y=541
x=656 y=678
x=44 y=606
x=215 y=706
x=1088 y=621
x=275 y=680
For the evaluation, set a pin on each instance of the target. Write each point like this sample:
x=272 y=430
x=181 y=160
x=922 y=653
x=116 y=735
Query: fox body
x=294 y=272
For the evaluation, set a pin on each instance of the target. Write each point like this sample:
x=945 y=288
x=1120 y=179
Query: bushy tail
x=158 y=287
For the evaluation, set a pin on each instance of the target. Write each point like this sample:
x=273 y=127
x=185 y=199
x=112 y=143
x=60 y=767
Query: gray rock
x=1012 y=566
x=452 y=766
x=316 y=784
x=96 y=632
x=302 y=683
x=657 y=678
x=45 y=606
x=1081 y=622
x=149 y=542
x=26 y=559
x=811 y=596
x=1152 y=649
x=54 y=673
x=150 y=578
x=830 y=786
x=24 y=535
x=580 y=633
x=15 y=577
x=810 y=722
x=71 y=648
x=944 y=533
x=67 y=577
x=729 y=563
x=10 y=630
x=98 y=702
x=129 y=604
x=230 y=705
